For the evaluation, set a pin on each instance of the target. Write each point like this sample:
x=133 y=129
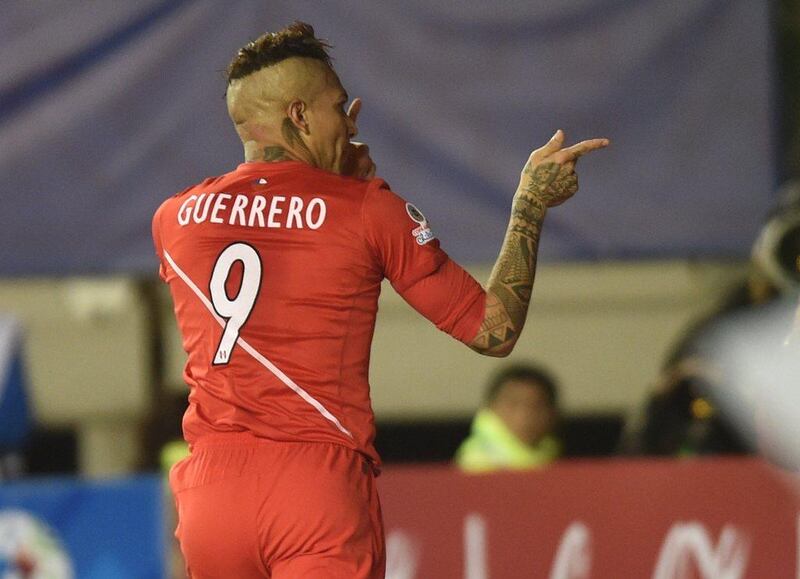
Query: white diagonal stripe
x=255 y=354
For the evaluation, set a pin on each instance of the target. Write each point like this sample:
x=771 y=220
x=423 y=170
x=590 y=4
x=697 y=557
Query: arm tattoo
x=511 y=282
x=551 y=181
x=539 y=178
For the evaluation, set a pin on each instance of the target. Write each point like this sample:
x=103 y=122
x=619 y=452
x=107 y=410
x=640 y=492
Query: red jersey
x=275 y=271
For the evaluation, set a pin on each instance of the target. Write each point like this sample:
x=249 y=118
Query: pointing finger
x=554 y=144
x=575 y=151
x=354 y=109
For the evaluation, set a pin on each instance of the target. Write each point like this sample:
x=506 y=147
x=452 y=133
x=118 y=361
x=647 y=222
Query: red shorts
x=252 y=508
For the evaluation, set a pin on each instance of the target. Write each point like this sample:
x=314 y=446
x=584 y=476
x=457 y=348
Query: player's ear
x=298 y=114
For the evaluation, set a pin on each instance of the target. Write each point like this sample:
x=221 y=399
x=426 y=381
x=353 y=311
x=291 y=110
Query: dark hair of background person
x=523 y=373
x=272 y=47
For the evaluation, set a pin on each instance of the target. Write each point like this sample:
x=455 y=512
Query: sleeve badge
x=422 y=233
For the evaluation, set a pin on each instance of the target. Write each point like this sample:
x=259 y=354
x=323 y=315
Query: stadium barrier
x=659 y=519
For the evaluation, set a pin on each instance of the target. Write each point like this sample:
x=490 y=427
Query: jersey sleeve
x=451 y=299
x=399 y=236
x=418 y=269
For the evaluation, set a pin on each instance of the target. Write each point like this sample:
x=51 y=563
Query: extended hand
x=357 y=162
x=549 y=174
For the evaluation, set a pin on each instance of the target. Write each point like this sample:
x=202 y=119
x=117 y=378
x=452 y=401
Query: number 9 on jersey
x=234 y=311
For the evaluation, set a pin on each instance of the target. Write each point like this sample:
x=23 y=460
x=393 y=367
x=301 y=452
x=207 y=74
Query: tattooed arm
x=548 y=179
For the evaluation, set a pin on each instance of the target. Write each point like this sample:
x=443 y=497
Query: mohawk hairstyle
x=272 y=47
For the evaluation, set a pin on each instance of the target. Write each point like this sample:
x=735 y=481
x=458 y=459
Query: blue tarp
x=84 y=530
x=107 y=108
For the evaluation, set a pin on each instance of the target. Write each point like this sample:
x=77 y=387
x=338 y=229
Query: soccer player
x=275 y=270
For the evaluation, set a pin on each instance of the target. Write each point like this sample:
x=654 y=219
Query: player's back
x=275 y=289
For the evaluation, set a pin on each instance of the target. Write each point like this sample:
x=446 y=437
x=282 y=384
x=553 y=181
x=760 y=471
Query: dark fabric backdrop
x=106 y=108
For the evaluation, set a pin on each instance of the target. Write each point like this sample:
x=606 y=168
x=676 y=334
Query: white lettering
x=573 y=559
x=237 y=211
x=201 y=209
x=252 y=211
x=475 y=556
x=185 y=212
x=273 y=211
x=295 y=207
x=218 y=206
x=687 y=541
x=323 y=210
x=403 y=553
x=257 y=211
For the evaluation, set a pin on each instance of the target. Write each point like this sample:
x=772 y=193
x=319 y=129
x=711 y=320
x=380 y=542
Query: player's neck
x=269 y=152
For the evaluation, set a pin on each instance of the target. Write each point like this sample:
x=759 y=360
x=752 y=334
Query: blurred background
x=690 y=219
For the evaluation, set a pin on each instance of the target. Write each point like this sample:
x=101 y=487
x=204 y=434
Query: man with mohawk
x=275 y=270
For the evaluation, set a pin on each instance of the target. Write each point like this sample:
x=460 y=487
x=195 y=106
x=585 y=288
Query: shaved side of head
x=258 y=102
x=270 y=73
x=287 y=103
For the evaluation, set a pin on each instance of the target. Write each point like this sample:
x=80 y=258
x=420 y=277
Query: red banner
x=692 y=519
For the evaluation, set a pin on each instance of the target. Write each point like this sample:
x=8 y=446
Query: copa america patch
x=423 y=233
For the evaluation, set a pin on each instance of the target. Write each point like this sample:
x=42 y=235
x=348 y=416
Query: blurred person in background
x=760 y=353
x=290 y=250
x=721 y=388
x=681 y=419
x=516 y=427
